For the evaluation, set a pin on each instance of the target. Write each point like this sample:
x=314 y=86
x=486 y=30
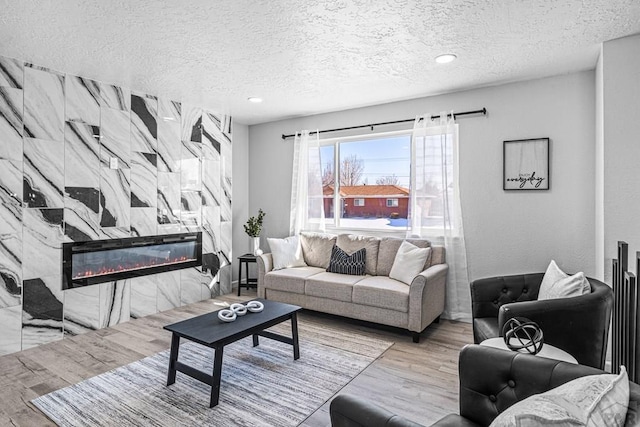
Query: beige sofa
x=373 y=297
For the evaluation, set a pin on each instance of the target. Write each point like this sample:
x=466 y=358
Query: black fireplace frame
x=68 y=249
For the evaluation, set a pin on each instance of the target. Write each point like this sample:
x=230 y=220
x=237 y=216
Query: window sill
x=367 y=231
x=435 y=238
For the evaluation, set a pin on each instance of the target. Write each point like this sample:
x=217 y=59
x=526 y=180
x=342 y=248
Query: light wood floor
x=419 y=381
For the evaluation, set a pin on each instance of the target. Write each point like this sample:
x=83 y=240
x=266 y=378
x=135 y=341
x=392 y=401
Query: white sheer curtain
x=434 y=209
x=307 y=213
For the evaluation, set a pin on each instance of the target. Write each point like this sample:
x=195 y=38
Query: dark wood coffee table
x=212 y=332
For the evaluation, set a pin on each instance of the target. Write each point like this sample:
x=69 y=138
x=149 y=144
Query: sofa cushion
x=316 y=248
x=389 y=248
x=437 y=255
x=289 y=279
x=343 y=263
x=351 y=243
x=409 y=262
x=331 y=285
x=383 y=292
x=485 y=328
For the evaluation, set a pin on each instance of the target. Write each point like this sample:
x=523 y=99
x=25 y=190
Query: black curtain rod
x=464 y=113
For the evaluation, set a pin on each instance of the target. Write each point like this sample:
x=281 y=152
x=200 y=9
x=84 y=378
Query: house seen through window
x=366 y=181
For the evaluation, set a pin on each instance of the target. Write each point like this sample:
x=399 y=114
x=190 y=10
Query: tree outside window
x=370 y=170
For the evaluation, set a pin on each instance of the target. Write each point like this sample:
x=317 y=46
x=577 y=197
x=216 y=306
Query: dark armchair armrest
x=350 y=411
x=564 y=320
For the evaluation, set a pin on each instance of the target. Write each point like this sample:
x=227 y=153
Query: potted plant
x=253 y=227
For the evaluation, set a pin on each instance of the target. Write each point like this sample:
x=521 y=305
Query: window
x=366 y=180
x=372 y=189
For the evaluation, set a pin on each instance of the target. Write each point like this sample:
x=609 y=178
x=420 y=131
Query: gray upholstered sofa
x=373 y=297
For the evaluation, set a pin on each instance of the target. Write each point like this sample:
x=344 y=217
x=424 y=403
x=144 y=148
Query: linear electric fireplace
x=98 y=261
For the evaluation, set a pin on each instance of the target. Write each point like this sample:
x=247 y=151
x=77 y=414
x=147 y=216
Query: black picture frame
x=525 y=165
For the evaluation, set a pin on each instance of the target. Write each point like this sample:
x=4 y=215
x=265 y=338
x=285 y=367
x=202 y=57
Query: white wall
x=621 y=133
x=506 y=232
x=240 y=205
x=599 y=171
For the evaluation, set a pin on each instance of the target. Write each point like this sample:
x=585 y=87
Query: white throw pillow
x=594 y=400
x=286 y=252
x=409 y=262
x=558 y=284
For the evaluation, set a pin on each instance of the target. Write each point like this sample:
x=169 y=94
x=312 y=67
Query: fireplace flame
x=130 y=267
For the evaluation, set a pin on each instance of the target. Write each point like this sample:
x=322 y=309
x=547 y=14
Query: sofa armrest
x=351 y=411
x=265 y=265
x=487 y=295
x=426 y=296
x=564 y=320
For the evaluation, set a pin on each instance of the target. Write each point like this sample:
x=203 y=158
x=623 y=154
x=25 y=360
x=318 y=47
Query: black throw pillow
x=343 y=263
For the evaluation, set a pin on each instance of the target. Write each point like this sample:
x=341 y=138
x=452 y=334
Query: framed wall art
x=526 y=164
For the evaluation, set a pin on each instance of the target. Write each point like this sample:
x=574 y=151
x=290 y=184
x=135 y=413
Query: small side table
x=250 y=282
x=548 y=351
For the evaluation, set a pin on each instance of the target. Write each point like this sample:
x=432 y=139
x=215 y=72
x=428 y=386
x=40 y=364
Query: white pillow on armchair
x=558 y=284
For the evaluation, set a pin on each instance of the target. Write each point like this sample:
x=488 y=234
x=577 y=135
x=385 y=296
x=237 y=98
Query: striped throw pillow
x=343 y=263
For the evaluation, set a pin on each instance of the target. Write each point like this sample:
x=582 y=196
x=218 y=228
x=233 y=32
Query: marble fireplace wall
x=85 y=160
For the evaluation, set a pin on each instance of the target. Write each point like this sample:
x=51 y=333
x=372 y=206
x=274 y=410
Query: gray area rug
x=261 y=386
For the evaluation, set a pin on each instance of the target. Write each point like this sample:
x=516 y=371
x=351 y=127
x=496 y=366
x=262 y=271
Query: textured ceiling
x=310 y=56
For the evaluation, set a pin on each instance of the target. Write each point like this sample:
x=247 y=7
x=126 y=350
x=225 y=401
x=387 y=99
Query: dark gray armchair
x=577 y=325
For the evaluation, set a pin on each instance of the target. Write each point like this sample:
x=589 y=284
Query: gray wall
x=506 y=232
x=599 y=172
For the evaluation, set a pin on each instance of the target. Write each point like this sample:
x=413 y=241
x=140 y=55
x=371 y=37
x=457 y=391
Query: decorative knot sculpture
x=523 y=335
x=230 y=314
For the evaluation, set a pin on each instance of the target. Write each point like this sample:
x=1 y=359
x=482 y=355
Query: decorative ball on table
x=523 y=335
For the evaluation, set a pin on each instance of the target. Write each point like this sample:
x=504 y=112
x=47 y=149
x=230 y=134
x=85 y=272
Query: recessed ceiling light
x=446 y=58
x=254 y=99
